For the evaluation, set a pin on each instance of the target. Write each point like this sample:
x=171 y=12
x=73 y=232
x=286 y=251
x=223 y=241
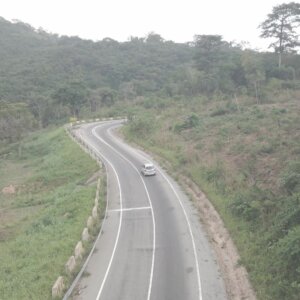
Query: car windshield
x=149 y=167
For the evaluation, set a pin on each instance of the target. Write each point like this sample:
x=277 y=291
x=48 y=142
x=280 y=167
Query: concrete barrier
x=70 y=265
x=85 y=235
x=58 y=287
x=90 y=222
x=79 y=251
x=95 y=212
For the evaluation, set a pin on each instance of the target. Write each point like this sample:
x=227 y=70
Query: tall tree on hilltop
x=154 y=38
x=255 y=74
x=214 y=60
x=281 y=24
x=209 y=51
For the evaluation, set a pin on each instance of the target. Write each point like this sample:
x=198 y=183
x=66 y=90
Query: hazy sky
x=177 y=20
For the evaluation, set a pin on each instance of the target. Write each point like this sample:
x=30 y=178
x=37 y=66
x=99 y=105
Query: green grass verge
x=42 y=222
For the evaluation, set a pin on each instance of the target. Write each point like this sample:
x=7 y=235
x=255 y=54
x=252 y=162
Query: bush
x=287 y=261
x=286 y=218
x=282 y=73
x=252 y=204
x=216 y=175
x=142 y=126
x=219 y=112
x=290 y=179
x=242 y=206
x=191 y=121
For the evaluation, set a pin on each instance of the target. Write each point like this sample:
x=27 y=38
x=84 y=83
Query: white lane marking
x=120 y=222
x=130 y=209
x=150 y=203
x=185 y=214
x=191 y=234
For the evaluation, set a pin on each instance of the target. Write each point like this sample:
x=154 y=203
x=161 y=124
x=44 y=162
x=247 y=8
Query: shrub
x=287 y=261
x=286 y=218
x=290 y=178
x=242 y=206
x=282 y=73
x=253 y=204
x=219 y=112
x=142 y=126
x=191 y=121
x=216 y=175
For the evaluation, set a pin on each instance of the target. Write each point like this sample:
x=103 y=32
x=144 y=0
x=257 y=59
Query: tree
x=217 y=62
x=15 y=120
x=154 y=38
x=209 y=52
x=73 y=95
x=281 y=25
x=107 y=96
x=39 y=107
x=254 y=71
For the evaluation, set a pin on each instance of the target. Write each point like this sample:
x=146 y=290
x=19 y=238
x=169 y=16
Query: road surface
x=152 y=245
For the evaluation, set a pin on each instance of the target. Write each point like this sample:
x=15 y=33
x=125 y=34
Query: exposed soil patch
x=9 y=190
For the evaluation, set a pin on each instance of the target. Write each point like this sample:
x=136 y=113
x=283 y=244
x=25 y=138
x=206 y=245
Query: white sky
x=177 y=20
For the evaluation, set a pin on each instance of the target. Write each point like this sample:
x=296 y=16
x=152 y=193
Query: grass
x=42 y=222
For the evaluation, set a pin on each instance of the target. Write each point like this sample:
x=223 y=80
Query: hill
x=58 y=77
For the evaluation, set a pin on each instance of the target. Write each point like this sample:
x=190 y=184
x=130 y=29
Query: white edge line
x=191 y=234
x=187 y=220
x=150 y=203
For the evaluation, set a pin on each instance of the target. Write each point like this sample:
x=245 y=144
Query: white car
x=148 y=169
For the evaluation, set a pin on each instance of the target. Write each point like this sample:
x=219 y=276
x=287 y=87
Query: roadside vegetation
x=43 y=213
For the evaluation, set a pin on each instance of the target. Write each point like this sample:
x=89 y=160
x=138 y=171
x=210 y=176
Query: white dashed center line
x=130 y=209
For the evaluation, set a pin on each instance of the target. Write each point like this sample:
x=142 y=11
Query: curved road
x=152 y=245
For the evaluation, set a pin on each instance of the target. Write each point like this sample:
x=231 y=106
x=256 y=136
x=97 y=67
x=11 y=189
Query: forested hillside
x=53 y=78
x=76 y=75
x=223 y=115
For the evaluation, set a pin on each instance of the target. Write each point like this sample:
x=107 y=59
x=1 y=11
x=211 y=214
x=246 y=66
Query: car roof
x=148 y=165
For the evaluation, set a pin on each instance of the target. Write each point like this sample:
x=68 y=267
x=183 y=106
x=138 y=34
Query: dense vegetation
x=226 y=116
x=51 y=78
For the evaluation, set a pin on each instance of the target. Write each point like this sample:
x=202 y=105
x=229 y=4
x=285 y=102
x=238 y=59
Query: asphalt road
x=152 y=245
